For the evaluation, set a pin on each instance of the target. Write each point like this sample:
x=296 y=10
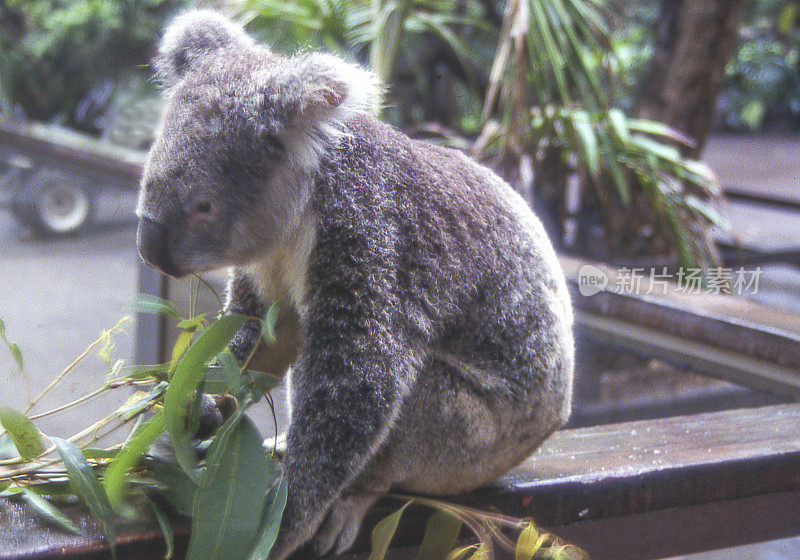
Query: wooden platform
x=638 y=490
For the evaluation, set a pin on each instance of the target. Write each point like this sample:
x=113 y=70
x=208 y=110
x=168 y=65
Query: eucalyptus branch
x=76 y=402
x=76 y=361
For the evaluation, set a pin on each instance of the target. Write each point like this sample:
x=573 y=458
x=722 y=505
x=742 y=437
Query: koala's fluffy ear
x=329 y=83
x=192 y=36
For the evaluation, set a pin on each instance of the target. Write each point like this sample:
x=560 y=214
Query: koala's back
x=457 y=250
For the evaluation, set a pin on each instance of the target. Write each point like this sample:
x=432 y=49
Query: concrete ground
x=57 y=296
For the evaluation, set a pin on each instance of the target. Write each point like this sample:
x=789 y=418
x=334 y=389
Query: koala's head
x=231 y=170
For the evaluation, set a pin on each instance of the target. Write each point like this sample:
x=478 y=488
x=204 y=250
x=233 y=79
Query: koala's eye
x=203 y=209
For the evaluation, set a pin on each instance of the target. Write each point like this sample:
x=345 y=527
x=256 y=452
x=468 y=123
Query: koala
x=426 y=325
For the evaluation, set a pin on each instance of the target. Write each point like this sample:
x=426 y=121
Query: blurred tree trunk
x=694 y=41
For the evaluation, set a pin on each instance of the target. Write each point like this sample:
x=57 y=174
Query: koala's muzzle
x=152 y=241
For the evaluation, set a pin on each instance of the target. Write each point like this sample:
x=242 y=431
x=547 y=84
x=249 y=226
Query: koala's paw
x=341 y=526
x=214 y=410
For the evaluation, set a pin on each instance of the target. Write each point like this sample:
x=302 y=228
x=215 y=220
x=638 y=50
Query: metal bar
x=697 y=356
x=740 y=194
x=151 y=329
x=722 y=321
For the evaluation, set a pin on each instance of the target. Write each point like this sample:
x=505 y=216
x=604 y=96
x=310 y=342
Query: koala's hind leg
x=455 y=434
x=451 y=436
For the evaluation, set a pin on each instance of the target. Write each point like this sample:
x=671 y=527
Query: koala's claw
x=341 y=526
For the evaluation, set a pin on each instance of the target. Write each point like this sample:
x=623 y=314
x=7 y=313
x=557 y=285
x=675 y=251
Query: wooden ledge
x=637 y=490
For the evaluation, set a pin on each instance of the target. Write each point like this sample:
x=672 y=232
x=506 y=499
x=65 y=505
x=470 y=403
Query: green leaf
x=175 y=486
x=441 y=534
x=529 y=542
x=231 y=372
x=262 y=383
x=268 y=324
x=99 y=453
x=588 y=142
x=17 y=353
x=619 y=124
x=2 y=329
x=383 y=533
x=86 y=485
x=115 y=477
x=460 y=553
x=148 y=303
x=181 y=344
x=25 y=435
x=166 y=528
x=50 y=513
x=660 y=129
x=188 y=373
x=192 y=323
x=276 y=502
x=140 y=400
x=144 y=372
x=230 y=499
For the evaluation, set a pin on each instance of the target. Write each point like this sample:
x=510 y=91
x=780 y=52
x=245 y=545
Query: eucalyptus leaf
x=268 y=324
x=133 y=449
x=383 y=533
x=441 y=533
x=148 y=303
x=188 y=373
x=86 y=485
x=22 y=431
x=460 y=553
x=276 y=502
x=17 y=353
x=99 y=453
x=49 y=512
x=529 y=542
x=230 y=499
x=231 y=372
x=141 y=400
x=166 y=528
x=175 y=486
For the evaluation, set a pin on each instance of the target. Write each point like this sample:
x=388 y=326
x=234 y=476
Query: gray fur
x=431 y=322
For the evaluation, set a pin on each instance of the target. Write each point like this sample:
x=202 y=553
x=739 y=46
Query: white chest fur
x=282 y=274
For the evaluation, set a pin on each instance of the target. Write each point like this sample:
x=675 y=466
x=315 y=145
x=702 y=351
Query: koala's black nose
x=152 y=241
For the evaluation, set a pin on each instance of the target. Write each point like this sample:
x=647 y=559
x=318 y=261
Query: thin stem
x=506 y=520
x=74 y=363
x=77 y=401
x=211 y=289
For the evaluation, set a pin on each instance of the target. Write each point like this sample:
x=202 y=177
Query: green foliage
x=63 y=60
x=383 y=533
x=231 y=497
x=188 y=374
x=115 y=480
x=236 y=495
x=49 y=512
x=273 y=512
x=441 y=534
x=87 y=486
x=550 y=113
x=22 y=431
x=13 y=347
x=762 y=84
